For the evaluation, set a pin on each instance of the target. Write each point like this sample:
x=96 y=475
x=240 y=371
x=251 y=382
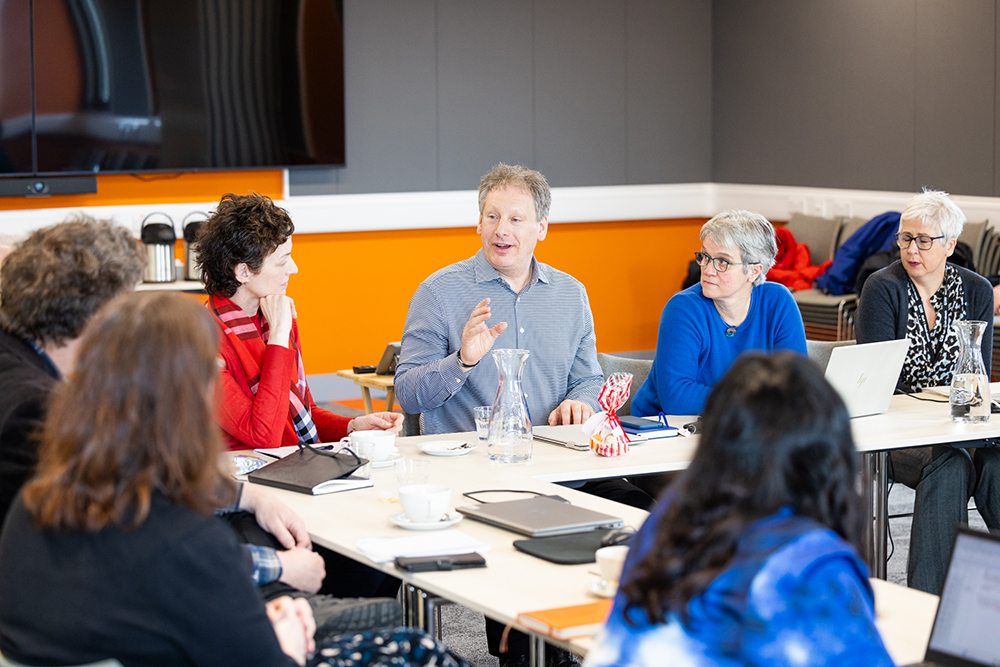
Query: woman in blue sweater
x=731 y=310
x=749 y=557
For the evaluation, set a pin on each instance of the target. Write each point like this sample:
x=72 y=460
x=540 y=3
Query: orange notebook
x=567 y=622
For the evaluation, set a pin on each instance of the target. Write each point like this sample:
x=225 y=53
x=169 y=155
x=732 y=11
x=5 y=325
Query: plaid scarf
x=249 y=343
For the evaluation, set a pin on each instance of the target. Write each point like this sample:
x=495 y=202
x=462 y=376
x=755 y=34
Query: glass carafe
x=509 y=439
x=970 y=386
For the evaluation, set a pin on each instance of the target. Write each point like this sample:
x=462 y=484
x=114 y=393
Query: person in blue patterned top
x=749 y=557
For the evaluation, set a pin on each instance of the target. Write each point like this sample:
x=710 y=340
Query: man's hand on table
x=570 y=412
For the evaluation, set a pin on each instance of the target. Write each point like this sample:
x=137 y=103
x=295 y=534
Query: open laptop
x=539 y=516
x=387 y=365
x=865 y=375
x=968 y=615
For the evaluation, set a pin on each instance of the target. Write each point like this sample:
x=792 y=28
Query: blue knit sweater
x=693 y=351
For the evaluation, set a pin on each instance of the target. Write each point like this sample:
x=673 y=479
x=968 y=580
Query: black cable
x=471 y=495
x=928 y=400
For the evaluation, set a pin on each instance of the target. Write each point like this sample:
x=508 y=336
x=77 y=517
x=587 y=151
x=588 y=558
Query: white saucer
x=402 y=521
x=601 y=588
x=446 y=447
x=388 y=463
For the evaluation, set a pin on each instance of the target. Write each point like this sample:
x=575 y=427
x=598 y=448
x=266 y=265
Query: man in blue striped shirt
x=502 y=297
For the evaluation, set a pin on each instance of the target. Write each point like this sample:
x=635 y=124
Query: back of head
x=516 y=176
x=54 y=281
x=776 y=434
x=936 y=208
x=135 y=418
x=243 y=229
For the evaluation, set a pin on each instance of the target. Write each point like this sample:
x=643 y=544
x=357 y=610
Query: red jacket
x=265 y=420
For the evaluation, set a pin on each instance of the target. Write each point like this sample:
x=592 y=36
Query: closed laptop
x=539 y=516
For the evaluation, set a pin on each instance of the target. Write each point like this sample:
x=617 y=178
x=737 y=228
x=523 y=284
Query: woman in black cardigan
x=919 y=298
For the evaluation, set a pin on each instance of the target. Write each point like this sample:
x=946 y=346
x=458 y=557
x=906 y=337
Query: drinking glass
x=483 y=413
x=411 y=471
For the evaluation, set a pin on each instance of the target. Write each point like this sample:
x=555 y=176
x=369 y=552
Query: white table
x=514 y=582
x=910 y=422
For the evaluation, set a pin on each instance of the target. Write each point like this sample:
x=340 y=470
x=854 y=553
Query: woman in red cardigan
x=245 y=256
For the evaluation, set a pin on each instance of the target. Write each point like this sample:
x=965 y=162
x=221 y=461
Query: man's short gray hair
x=748 y=232
x=529 y=180
x=936 y=208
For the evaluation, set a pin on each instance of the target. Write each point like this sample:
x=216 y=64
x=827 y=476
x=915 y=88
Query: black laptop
x=966 y=630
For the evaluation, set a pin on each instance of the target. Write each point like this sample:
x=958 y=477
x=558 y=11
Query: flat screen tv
x=99 y=86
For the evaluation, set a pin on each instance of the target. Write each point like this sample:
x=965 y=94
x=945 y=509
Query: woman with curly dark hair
x=750 y=557
x=245 y=256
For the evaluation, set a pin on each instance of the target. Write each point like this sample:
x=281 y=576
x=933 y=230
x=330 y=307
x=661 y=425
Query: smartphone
x=431 y=563
x=639 y=423
x=363 y=369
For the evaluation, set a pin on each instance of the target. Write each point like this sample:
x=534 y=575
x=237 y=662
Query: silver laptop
x=539 y=516
x=570 y=436
x=865 y=375
x=968 y=615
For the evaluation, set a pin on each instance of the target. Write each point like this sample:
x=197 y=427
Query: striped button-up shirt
x=550 y=318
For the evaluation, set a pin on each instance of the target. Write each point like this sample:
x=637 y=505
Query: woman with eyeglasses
x=919 y=298
x=731 y=310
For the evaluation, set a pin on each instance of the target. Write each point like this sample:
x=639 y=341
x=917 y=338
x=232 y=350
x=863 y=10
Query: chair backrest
x=988 y=262
x=819 y=350
x=639 y=368
x=818 y=234
x=850 y=226
x=412 y=424
x=974 y=234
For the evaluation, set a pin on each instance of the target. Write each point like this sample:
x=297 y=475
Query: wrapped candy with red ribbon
x=606 y=435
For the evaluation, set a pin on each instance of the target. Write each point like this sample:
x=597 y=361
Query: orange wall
x=353 y=288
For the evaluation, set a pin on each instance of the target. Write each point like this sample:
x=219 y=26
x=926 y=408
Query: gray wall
x=867 y=94
x=590 y=92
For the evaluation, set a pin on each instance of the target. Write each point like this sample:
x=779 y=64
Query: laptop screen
x=969 y=611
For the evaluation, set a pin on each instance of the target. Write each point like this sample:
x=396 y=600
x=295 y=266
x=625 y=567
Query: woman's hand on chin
x=279 y=311
x=377 y=421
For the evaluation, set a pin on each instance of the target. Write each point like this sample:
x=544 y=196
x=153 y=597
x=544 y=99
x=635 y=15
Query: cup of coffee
x=383 y=443
x=424 y=503
x=610 y=561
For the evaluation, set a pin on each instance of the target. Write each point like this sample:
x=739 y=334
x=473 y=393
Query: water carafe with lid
x=970 y=386
x=509 y=439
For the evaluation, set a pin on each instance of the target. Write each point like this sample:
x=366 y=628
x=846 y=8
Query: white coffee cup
x=424 y=503
x=384 y=443
x=610 y=561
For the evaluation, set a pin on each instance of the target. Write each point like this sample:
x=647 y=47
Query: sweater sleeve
x=258 y=420
x=979 y=299
x=789 y=333
x=879 y=311
x=680 y=346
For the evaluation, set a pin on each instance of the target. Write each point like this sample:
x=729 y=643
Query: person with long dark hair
x=751 y=555
x=113 y=549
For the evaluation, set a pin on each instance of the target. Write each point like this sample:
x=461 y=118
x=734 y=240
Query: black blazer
x=26 y=380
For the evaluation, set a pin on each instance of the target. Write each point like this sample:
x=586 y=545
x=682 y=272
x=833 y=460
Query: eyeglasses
x=721 y=265
x=903 y=240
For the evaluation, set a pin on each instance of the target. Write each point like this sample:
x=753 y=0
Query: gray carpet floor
x=463 y=629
